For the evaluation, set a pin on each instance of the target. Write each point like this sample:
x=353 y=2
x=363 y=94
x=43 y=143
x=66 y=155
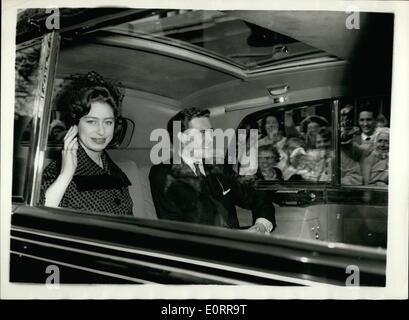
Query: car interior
x=244 y=67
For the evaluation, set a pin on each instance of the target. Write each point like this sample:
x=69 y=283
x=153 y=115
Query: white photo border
x=397 y=252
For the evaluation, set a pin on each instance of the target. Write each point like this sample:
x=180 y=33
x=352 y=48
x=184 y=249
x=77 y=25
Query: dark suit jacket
x=178 y=194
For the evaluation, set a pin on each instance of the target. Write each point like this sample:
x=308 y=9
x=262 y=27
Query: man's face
x=367 y=122
x=197 y=140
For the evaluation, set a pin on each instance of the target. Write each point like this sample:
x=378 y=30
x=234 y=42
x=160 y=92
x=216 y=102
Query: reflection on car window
x=294 y=145
x=26 y=72
x=364 y=142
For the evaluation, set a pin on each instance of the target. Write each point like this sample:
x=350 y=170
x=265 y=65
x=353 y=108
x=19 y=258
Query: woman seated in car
x=375 y=169
x=84 y=177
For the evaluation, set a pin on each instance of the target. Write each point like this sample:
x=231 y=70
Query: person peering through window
x=268 y=158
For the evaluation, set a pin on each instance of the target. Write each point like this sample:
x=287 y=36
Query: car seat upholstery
x=140 y=190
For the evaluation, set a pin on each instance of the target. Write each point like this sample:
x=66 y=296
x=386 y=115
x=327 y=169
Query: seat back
x=140 y=191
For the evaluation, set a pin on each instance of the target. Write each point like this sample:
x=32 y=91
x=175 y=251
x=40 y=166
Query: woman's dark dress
x=92 y=188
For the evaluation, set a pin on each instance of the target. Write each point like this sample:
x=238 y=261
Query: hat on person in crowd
x=322 y=122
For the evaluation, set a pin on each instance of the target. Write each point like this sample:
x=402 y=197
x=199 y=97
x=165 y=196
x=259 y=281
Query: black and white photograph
x=194 y=148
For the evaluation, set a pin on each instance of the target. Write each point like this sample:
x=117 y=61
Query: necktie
x=197 y=169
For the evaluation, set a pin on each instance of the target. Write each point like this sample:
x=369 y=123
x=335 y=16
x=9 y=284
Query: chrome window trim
x=220 y=266
x=41 y=114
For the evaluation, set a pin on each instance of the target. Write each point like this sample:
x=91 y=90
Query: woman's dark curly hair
x=80 y=90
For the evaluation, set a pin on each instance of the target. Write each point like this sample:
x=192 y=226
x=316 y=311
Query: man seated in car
x=195 y=191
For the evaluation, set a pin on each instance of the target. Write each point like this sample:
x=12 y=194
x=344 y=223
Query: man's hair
x=185 y=116
x=368 y=108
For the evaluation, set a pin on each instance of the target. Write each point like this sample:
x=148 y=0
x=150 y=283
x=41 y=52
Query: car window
x=245 y=44
x=26 y=87
x=294 y=144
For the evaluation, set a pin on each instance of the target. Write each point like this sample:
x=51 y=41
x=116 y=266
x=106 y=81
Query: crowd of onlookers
x=305 y=152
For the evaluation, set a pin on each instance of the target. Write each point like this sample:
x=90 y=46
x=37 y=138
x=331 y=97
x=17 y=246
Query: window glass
x=364 y=141
x=246 y=44
x=293 y=144
x=26 y=73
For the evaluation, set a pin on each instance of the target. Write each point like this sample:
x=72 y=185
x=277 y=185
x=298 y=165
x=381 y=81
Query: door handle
x=307 y=195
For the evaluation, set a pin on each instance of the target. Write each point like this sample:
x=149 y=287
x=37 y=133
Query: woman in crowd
x=375 y=169
x=309 y=129
x=294 y=149
x=268 y=158
x=85 y=178
x=272 y=135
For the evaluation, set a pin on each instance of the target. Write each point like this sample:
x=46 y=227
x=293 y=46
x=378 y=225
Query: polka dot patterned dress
x=92 y=189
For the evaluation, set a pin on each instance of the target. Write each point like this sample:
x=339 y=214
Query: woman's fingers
x=71 y=134
x=72 y=144
x=68 y=132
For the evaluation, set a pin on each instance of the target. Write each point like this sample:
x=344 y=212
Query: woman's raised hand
x=69 y=154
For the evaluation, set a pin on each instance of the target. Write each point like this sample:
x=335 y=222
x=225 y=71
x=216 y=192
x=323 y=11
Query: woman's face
x=271 y=124
x=382 y=142
x=96 y=129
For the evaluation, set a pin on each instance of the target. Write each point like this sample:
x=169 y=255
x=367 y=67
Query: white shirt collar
x=364 y=136
x=191 y=163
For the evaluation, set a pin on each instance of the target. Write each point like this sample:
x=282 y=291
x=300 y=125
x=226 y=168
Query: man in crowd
x=367 y=123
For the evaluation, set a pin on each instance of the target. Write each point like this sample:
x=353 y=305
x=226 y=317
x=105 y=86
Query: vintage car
x=244 y=66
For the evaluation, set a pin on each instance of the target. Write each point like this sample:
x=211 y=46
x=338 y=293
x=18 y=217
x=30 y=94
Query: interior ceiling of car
x=153 y=73
x=161 y=74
